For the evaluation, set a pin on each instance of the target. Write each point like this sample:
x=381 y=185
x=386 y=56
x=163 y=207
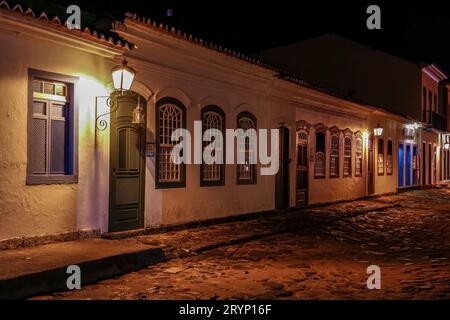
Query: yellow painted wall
x=45 y=209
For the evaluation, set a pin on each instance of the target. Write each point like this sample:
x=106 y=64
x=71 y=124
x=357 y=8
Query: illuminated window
x=319 y=168
x=380 y=158
x=171 y=115
x=389 y=160
x=347 y=156
x=358 y=155
x=52 y=138
x=334 y=156
x=213 y=174
x=246 y=173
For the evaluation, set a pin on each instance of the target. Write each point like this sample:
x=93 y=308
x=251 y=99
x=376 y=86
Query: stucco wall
x=332 y=189
x=172 y=206
x=46 y=209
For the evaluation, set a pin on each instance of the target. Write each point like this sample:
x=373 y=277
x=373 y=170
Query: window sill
x=212 y=184
x=246 y=183
x=49 y=180
x=170 y=185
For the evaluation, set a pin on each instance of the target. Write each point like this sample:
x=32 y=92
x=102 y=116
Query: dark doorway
x=370 y=172
x=282 y=178
x=127 y=165
x=302 y=169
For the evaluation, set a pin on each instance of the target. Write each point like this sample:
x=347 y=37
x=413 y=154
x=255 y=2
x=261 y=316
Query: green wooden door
x=127 y=166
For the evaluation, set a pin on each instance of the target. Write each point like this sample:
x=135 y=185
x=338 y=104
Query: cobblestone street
x=320 y=253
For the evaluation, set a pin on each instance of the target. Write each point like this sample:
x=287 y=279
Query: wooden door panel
x=127 y=168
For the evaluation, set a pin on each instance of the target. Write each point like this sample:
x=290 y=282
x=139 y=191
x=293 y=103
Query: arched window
x=246 y=173
x=170 y=115
x=347 y=155
x=380 y=157
x=213 y=174
x=358 y=155
x=389 y=160
x=334 y=156
x=319 y=168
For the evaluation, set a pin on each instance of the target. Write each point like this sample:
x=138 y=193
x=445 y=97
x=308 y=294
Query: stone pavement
x=320 y=253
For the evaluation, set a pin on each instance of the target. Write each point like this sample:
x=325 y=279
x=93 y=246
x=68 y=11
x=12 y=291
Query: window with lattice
x=246 y=173
x=334 y=156
x=319 y=165
x=170 y=117
x=380 y=157
x=213 y=174
x=358 y=156
x=389 y=159
x=347 y=170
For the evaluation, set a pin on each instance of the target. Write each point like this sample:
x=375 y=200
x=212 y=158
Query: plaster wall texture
x=46 y=209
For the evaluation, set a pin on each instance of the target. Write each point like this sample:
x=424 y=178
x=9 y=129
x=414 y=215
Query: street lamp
x=378 y=131
x=123 y=77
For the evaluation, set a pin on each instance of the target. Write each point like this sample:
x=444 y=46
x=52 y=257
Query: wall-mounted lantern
x=138 y=113
x=447 y=142
x=123 y=76
x=378 y=131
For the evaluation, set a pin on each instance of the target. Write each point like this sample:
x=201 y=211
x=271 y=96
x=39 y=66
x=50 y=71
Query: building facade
x=73 y=163
x=416 y=90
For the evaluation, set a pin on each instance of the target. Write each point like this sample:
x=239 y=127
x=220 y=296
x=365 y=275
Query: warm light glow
x=366 y=139
x=447 y=146
x=123 y=77
x=378 y=132
x=138 y=113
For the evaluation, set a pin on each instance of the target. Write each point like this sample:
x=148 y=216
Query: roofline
x=56 y=24
x=177 y=33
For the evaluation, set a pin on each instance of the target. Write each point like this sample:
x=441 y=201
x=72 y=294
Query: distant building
x=411 y=88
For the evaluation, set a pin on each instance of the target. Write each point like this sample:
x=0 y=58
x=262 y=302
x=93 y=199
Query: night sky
x=415 y=30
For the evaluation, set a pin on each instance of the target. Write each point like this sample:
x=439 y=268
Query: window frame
x=389 y=141
x=158 y=183
x=347 y=136
x=72 y=118
x=221 y=182
x=335 y=133
x=359 y=155
x=254 y=180
x=383 y=154
x=323 y=131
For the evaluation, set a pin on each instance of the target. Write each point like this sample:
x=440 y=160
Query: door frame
x=306 y=146
x=371 y=165
x=112 y=185
x=282 y=185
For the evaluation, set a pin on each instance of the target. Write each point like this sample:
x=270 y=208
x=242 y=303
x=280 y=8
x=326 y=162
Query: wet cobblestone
x=320 y=253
